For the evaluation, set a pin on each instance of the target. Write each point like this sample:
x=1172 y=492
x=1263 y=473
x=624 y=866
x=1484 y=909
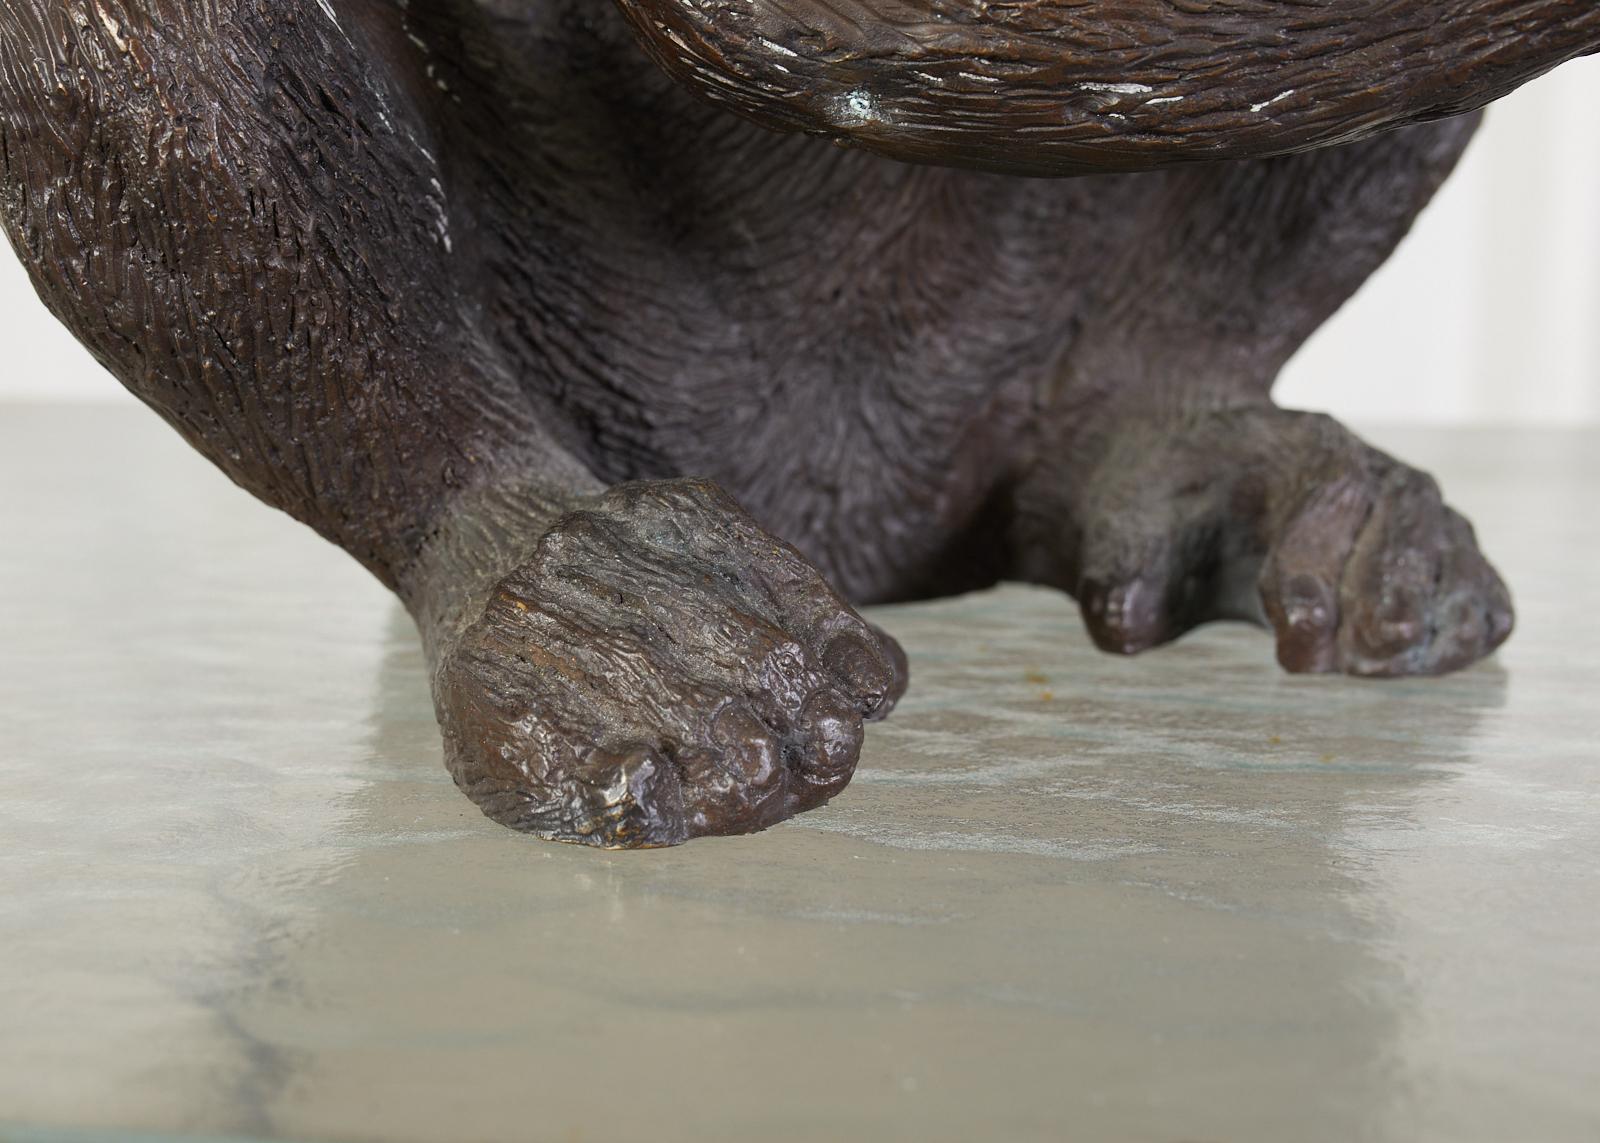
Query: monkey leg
x=247 y=213
x=1167 y=490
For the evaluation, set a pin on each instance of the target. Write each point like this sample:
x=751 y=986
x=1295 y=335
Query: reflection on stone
x=1184 y=897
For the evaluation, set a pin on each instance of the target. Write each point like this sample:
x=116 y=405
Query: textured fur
x=435 y=278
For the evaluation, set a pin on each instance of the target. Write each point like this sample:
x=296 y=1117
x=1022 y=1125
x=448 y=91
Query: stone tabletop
x=1179 y=898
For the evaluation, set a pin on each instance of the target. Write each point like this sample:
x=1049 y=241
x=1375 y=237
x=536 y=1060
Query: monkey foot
x=660 y=669
x=1287 y=519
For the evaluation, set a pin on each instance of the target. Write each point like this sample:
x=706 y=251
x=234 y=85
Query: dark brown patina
x=630 y=374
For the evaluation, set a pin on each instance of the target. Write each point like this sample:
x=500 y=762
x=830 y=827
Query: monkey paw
x=660 y=669
x=1284 y=518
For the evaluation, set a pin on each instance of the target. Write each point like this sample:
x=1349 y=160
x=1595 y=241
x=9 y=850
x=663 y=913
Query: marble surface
x=1178 y=898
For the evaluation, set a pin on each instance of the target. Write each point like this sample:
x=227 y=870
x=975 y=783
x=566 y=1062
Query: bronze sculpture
x=556 y=314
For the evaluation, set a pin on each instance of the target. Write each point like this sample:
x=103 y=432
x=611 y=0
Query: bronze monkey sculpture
x=558 y=314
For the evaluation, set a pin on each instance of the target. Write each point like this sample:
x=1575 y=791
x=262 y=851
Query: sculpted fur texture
x=632 y=344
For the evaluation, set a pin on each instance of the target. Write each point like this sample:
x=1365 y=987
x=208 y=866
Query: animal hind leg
x=1178 y=493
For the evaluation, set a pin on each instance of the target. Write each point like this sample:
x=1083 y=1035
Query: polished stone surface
x=1178 y=898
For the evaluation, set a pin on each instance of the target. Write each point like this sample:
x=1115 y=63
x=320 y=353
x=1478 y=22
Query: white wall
x=1490 y=311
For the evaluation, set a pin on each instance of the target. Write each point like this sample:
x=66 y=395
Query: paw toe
x=822 y=755
x=736 y=784
x=1126 y=616
x=1304 y=609
x=869 y=666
